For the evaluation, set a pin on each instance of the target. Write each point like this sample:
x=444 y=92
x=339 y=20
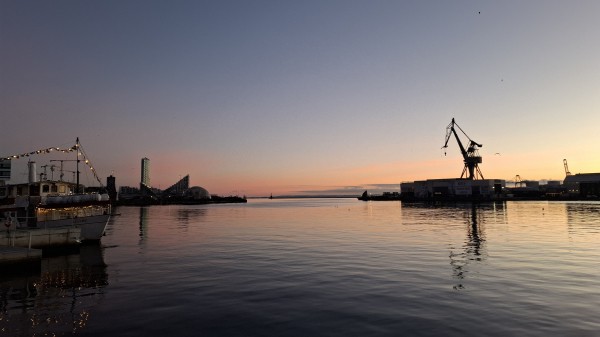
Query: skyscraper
x=146 y=171
x=111 y=187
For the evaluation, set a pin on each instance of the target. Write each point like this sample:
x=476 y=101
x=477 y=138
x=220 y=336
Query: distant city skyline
x=304 y=97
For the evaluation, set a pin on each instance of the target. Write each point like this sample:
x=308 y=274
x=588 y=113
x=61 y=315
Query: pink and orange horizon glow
x=302 y=98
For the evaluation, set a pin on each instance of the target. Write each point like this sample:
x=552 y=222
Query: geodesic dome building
x=197 y=192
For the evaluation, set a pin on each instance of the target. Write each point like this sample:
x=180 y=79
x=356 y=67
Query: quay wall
x=17 y=255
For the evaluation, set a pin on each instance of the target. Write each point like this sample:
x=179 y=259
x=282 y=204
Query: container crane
x=519 y=182
x=471 y=155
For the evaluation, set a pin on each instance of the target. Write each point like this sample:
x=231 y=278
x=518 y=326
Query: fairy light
x=75 y=147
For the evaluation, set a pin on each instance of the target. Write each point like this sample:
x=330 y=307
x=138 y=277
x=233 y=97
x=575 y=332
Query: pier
x=12 y=255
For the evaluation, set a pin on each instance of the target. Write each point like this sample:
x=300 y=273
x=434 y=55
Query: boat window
x=45 y=188
x=64 y=214
x=2 y=192
x=61 y=189
x=54 y=188
x=19 y=190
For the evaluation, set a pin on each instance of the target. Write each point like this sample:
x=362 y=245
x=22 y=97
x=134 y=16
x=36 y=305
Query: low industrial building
x=452 y=188
x=583 y=184
x=533 y=184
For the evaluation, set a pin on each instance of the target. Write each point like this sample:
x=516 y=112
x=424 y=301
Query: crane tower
x=567 y=173
x=471 y=155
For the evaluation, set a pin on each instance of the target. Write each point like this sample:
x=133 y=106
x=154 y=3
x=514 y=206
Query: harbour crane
x=567 y=173
x=519 y=182
x=471 y=155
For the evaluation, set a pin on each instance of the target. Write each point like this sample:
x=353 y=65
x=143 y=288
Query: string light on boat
x=76 y=147
x=43 y=151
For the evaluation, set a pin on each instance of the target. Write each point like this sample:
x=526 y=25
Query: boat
x=49 y=203
x=28 y=206
x=384 y=197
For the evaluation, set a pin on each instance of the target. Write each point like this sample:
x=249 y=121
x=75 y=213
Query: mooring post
x=29 y=239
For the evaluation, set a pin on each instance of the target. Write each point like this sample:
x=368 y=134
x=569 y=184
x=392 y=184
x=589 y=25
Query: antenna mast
x=77 y=148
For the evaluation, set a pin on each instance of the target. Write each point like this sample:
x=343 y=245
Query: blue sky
x=277 y=96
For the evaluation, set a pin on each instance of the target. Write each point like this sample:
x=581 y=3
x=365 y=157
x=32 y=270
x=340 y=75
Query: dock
x=11 y=255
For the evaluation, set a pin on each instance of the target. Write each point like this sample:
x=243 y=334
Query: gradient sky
x=289 y=96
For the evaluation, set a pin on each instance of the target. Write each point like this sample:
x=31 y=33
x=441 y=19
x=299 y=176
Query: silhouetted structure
x=145 y=189
x=179 y=187
x=111 y=188
x=471 y=155
x=583 y=184
x=453 y=188
x=197 y=192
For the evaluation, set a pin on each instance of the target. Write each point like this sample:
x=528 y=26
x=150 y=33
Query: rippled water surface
x=322 y=267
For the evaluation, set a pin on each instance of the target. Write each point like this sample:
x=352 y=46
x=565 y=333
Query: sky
x=301 y=97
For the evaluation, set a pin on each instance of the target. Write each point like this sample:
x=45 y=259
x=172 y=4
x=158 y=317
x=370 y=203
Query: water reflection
x=185 y=215
x=144 y=220
x=583 y=218
x=473 y=248
x=56 y=297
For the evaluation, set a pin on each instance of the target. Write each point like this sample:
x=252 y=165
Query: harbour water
x=322 y=267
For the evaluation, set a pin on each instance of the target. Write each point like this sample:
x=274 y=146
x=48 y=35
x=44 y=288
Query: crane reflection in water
x=473 y=249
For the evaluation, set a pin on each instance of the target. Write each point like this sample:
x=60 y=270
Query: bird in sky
x=498 y=154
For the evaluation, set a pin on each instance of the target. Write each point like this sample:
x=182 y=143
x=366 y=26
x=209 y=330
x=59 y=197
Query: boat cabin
x=39 y=189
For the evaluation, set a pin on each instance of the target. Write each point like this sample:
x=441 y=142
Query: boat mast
x=77 y=148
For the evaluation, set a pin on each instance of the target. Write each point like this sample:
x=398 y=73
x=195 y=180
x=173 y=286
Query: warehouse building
x=453 y=188
x=583 y=184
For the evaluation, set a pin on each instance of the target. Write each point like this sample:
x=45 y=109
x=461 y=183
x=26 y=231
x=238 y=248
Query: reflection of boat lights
x=63 y=298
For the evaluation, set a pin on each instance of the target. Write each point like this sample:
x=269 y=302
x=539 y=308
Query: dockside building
x=583 y=184
x=452 y=188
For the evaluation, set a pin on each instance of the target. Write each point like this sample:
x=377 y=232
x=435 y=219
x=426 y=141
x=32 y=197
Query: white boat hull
x=92 y=227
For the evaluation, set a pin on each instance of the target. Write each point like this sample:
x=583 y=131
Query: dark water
x=322 y=267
